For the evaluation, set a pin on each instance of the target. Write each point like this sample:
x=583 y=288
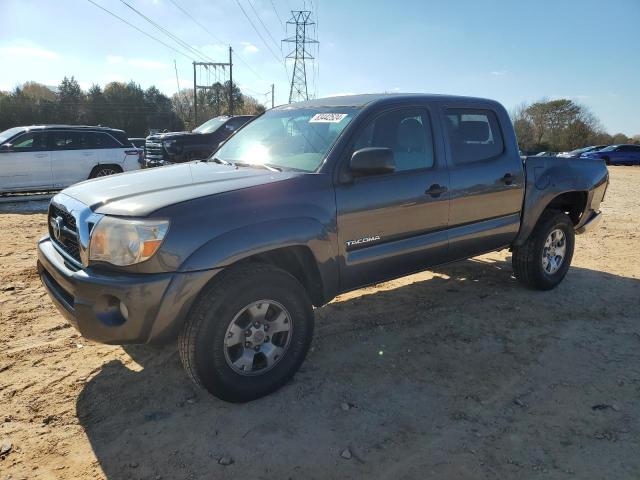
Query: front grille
x=154 y=151
x=65 y=237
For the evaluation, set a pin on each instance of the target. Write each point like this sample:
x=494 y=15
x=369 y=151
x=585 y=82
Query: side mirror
x=7 y=147
x=372 y=161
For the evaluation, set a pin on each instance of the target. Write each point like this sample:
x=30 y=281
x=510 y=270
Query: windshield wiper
x=217 y=160
x=265 y=166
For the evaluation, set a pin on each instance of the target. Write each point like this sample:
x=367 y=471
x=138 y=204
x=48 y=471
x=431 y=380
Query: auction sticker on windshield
x=327 y=118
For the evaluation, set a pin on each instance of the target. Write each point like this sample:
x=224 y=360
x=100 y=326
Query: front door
x=487 y=183
x=27 y=165
x=393 y=224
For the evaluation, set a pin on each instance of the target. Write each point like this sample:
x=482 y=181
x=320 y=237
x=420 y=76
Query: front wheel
x=104 y=171
x=248 y=332
x=544 y=259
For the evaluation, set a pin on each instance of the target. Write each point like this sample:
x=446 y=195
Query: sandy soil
x=456 y=373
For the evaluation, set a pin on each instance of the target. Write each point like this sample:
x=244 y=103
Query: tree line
x=546 y=125
x=560 y=125
x=118 y=105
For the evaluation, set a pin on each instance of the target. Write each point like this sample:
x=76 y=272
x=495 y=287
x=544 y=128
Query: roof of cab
x=369 y=98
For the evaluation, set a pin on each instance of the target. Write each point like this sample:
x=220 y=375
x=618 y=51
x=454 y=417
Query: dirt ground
x=455 y=373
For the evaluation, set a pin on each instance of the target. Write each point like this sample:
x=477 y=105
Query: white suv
x=51 y=157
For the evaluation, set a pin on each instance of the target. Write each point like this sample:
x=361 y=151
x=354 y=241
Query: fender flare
x=233 y=246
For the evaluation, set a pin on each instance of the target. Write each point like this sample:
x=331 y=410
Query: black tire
x=104 y=171
x=527 y=259
x=201 y=341
x=606 y=160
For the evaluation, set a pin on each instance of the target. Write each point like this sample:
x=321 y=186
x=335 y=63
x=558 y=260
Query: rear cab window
x=474 y=134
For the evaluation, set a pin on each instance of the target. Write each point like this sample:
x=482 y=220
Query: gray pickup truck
x=230 y=254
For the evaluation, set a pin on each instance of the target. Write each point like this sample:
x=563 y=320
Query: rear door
x=72 y=156
x=487 y=181
x=110 y=150
x=393 y=224
x=27 y=166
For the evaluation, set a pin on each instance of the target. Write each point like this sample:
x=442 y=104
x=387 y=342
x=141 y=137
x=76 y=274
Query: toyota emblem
x=56 y=226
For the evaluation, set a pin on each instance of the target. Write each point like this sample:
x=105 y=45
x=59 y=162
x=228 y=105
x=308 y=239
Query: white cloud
x=249 y=48
x=499 y=72
x=28 y=51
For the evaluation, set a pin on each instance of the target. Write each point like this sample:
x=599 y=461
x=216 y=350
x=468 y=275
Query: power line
x=264 y=26
x=140 y=30
x=197 y=22
x=175 y=38
x=238 y=57
x=278 y=15
x=258 y=32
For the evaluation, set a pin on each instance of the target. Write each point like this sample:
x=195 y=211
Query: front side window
x=28 y=142
x=474 y=135
x=290 y=138
x=406 y=132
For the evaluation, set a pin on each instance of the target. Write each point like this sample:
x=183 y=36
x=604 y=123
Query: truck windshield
x=7 y=134
x=288 y=138
x=211 y=126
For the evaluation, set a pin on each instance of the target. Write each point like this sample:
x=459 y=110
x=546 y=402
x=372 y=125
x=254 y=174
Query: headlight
x=168 y=144
x=124 y=242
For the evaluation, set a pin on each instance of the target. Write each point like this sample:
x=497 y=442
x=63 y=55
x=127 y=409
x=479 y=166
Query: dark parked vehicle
x=138 y=142
x=617 y=155
x=178 y=147
x=309 y=200
x=576 y=153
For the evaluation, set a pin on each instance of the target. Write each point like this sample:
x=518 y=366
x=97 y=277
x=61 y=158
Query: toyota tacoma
x=230 y=255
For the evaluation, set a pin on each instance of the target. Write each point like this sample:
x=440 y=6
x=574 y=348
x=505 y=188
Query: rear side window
x=68 y=140
x=407 y=132
x=474 y=135
x=103 y=140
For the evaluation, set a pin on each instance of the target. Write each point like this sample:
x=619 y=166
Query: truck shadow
x=403 y=378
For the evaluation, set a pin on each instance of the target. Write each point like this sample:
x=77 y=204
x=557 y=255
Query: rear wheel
x=248 y=332
x=104 y=170
x=544 y=259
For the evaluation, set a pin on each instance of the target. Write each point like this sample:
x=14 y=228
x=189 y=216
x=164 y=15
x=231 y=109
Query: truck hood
x=158 y=137
x=141 y=192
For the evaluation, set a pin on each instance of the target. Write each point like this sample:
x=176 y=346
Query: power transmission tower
x=302 y=21
x=197 y=87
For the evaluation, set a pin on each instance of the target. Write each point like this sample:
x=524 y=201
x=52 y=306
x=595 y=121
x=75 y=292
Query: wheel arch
x=300 y=246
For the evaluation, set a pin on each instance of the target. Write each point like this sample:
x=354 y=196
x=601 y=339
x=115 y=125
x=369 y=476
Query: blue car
x=617 y=155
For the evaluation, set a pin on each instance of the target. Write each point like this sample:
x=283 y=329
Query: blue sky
x=512 y=51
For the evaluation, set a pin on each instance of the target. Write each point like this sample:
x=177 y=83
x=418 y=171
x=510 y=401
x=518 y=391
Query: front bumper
x=155 y=305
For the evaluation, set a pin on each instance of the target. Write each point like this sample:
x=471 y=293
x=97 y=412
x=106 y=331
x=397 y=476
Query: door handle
x=507 y=179
x=41 y=155
x=87 y=154
x=436 y=190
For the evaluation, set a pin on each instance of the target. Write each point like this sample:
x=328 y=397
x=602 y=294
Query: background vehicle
x=546 y=154
x=137 y=142
x=617 y=155
x=177 y=147
x=308 y=201
x=576 y=153
x=50 y=157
